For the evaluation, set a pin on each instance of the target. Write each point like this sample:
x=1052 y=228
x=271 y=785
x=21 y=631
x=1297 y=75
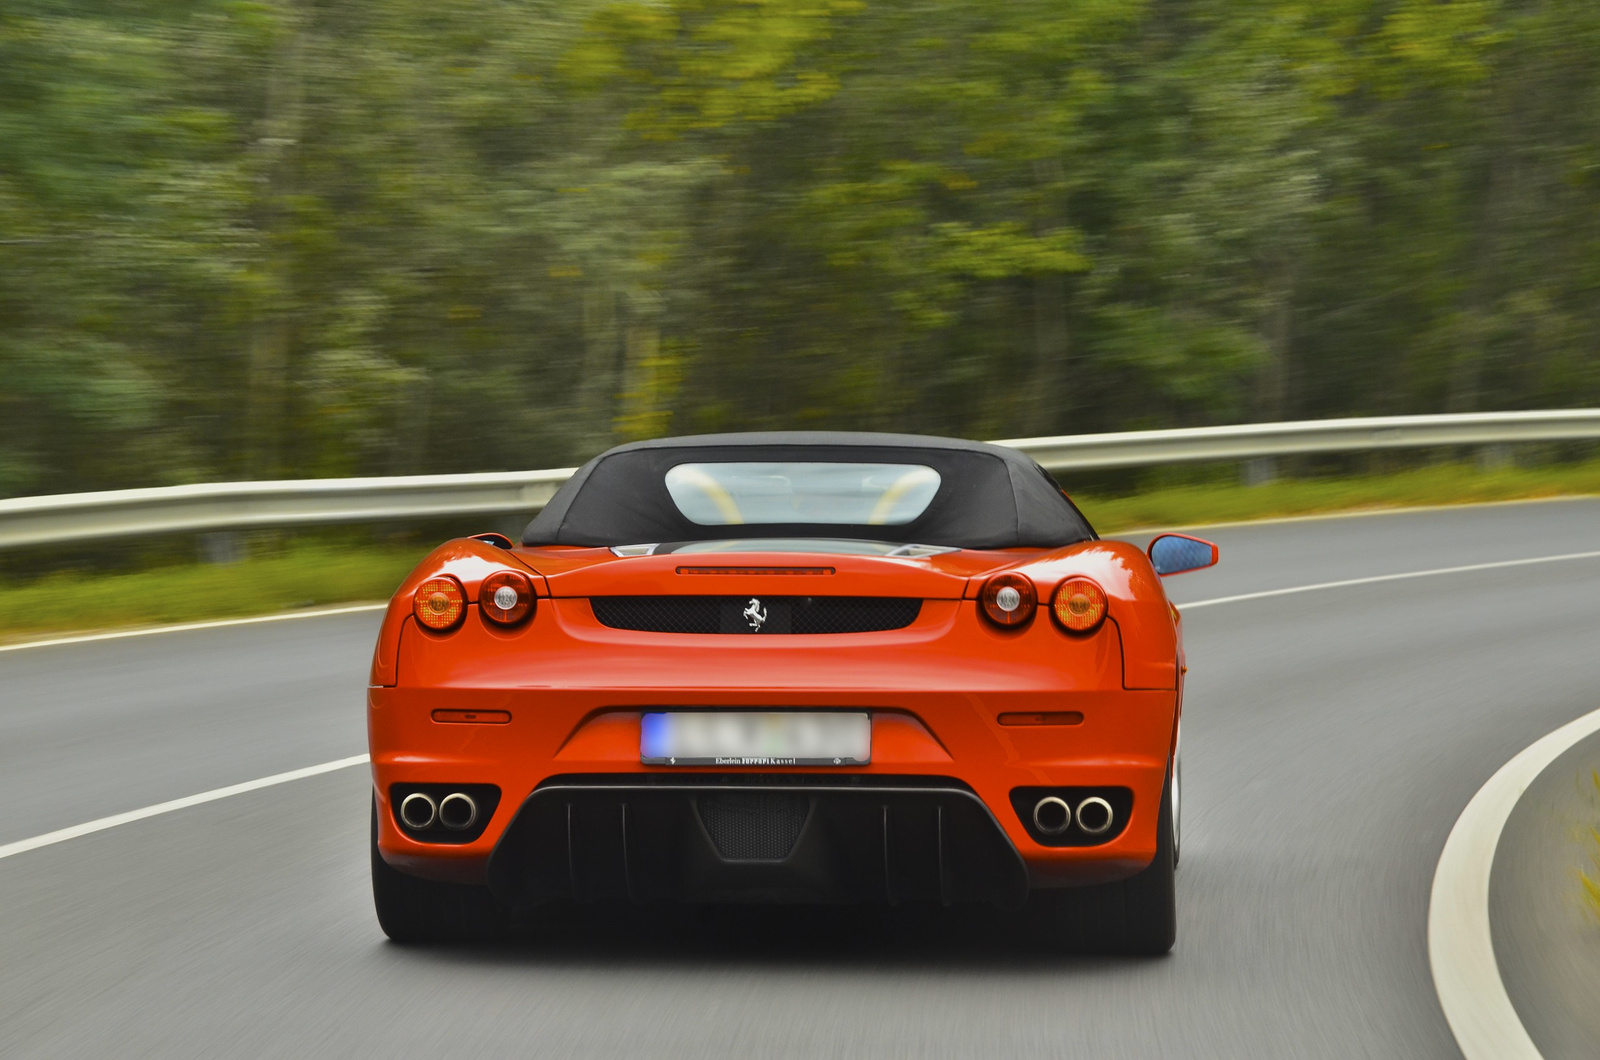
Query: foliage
x=260 y=238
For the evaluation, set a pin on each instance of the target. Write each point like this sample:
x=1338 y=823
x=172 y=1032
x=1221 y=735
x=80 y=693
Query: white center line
x=22 y=846
x=184 y=627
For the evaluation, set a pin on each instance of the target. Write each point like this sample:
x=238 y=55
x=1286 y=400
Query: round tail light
x=506 y=597
x=1079 y=605
x=439 y=603
x=1008 y=600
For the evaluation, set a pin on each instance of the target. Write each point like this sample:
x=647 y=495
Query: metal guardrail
x=295 y=502
x=242 y=505
x=1248 y=441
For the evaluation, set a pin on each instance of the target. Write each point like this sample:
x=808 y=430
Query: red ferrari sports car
x=789 y=667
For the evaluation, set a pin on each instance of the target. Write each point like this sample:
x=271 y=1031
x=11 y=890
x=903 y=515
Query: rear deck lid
x=746 y=568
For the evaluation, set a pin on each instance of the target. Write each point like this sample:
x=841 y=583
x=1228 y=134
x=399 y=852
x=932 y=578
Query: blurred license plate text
x=750 y=738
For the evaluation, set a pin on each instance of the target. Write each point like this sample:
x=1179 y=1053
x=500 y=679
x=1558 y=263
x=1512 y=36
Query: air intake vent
x=756 y=615
x=754 y=826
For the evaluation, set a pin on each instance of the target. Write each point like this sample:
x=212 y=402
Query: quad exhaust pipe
x=457 y=811
x=1095 y=815
x=1052 y=816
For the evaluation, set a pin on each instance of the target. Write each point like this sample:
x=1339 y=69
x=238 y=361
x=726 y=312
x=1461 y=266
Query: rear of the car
x=780 y=719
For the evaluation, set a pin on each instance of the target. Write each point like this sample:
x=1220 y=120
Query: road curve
x=1331 y=740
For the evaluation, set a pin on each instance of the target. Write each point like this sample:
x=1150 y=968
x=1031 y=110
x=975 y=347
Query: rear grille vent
x=756 y=615
x=754 y=826
x=852 y=614
x=660 y=614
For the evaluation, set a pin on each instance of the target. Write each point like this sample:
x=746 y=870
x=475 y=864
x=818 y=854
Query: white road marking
x=1460 y=946
x=1389 y=578
x=22 y=846
x=85 y=638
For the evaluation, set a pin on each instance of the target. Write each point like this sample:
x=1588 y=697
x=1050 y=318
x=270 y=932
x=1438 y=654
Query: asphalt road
x=1331 y=739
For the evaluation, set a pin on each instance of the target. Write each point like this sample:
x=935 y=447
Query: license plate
x=752 y=738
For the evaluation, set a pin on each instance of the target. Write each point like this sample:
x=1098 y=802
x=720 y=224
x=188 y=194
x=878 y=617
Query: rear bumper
x=579 y=815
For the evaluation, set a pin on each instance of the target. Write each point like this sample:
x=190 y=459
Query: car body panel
x=936 y=689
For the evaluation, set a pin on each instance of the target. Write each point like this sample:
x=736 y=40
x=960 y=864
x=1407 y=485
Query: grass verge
x=300 y=577
x=1438 y=485
x=323 y=575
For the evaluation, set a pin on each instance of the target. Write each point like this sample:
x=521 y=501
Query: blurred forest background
x=282 y=238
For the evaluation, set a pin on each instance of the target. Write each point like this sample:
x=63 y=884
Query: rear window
x=739 y=493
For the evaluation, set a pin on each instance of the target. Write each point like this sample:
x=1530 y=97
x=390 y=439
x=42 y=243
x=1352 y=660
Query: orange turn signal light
x=506 y=597
x=1079 y=605
x=439 y=603
x=1008 y=600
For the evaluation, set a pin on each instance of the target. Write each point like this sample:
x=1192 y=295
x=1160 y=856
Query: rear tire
x=1137 y=916
x=416 y=911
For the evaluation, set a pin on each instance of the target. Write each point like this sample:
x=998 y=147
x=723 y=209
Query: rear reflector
x=1053 y=717
x=472 y=717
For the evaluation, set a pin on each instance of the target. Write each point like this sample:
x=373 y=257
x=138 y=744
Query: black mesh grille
x=660 y=614
x=782 y=614
x=754 y=826
x=851 y=614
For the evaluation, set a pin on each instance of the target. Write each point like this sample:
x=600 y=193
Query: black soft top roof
x=989 y=496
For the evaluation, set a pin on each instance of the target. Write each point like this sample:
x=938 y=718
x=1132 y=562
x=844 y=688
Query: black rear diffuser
x=756 y=838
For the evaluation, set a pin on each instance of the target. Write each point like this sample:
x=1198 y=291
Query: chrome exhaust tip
x=418 y=810
x=1052 y=816
x=458 y=811
x=1095 y=815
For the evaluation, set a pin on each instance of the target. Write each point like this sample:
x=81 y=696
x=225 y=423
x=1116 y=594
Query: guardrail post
x=1495 y=457
x=222 y=547
x=1260 y=470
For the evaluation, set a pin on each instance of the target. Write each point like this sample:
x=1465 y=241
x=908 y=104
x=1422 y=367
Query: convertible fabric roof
x=988 y=497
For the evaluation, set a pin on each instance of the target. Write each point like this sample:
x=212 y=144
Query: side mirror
x=1176 y=553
